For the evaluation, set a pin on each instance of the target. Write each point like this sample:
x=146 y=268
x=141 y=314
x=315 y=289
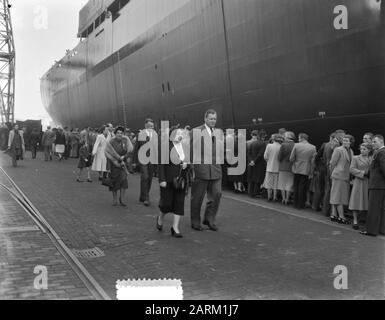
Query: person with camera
x=174 y=179
x=117 y=152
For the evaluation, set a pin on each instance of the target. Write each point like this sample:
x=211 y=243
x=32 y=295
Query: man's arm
x=293 y=154
x=381 y=160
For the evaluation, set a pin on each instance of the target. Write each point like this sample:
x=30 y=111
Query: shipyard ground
x=262 y=251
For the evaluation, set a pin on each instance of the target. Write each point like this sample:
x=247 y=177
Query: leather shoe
x=146 y=203
x=158 y=225
x=175 y=234
x=211 y=226
x=365 y=233
x=197 y=228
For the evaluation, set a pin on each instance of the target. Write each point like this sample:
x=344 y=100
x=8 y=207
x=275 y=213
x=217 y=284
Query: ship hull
x=280 y=62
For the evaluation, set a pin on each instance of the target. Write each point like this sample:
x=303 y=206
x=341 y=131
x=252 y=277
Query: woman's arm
x=96 y=145
x=267 y=152
x=335 y=158
x=355 y=171
x=10 y=139
x=293 y=155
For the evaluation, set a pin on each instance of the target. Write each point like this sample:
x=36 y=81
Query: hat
x=278 y=138
x=290 y=135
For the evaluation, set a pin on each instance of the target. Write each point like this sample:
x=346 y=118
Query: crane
x=7 y=64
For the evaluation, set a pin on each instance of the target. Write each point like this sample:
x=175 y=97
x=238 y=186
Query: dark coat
x=48 y=138
x=84 y=155
x=167 y=172
x=377 y=171
x=35 y=138
x=60 y=138
x=205 y=171
x=284 y=156
x=255 y=153
x=237 y=178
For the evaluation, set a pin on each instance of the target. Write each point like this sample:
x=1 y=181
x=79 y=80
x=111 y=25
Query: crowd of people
x=280 y=167
x=331 y=179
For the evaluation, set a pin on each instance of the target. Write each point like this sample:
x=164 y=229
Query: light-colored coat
x=271 y=157
x=48 y=138
x=12 y=135
x=100 y=161
x=301 y=157
x=360 y=191
x=340 y=164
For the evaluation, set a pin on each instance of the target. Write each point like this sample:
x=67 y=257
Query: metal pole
x=7 y=64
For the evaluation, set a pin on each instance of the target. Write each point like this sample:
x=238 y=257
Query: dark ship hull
x=281 y=62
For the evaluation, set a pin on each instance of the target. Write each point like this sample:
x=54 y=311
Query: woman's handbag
x=180 y=182
x=106 y=181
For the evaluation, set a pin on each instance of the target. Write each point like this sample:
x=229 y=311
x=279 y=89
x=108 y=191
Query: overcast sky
x=43 y=30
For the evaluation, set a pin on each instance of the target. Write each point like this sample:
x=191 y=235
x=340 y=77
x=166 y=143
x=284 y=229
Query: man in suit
x=256 y=164
x=326 y=152
x=47 y=141
x=67 y=145
x=34 y=142
x=146 y=170
x=208 y=177
x=375 y=219
x=301 y=157
x=16 y=144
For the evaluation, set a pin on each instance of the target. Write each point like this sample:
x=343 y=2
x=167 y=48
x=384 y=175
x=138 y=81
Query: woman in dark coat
x=16 y=146
x=256 y=164
x=238 y=181
x=60 y=143
x=286 y=176
x=117 y=152
x=85 y=161
x=172 y=199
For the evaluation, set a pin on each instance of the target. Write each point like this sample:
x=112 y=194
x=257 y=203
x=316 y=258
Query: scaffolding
x=7 y=64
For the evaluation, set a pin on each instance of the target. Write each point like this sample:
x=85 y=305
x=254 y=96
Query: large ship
x=260 y=63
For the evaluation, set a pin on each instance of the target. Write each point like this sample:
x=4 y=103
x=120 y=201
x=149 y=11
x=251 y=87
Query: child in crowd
x=85 y=161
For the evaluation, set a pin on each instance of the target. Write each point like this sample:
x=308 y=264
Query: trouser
x=375 y=219
x=318 y=195
x=254 y=188
x=146 y=175
x=326 y=201
x=300 y=189
x=14 y=160
x=67 y=151
x=130 y=165
x=47 y=152
x=34 y=150
x=213 y=188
